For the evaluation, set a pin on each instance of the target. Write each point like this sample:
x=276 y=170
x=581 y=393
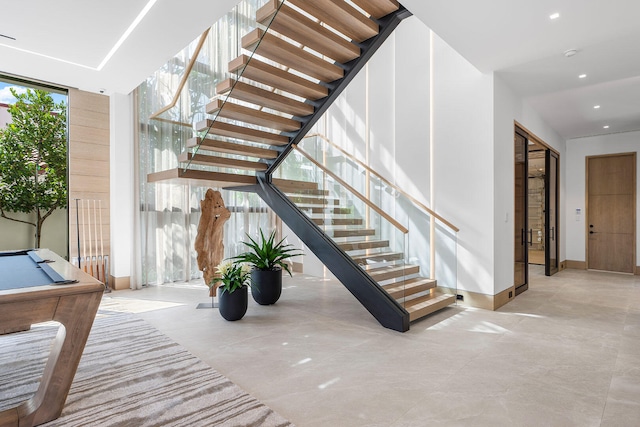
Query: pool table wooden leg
x=76 y=314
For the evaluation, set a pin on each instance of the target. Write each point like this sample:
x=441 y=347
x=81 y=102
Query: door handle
x=592 y=232
x=531 y=237
x=553 y=233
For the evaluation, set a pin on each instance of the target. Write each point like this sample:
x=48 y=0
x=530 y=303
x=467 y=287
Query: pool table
x=39 y=286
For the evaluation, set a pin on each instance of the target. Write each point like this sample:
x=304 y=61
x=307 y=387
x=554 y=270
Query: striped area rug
x=130 y=375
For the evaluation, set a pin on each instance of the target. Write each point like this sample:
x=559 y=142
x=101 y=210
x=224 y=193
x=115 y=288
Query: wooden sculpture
x=209 y=245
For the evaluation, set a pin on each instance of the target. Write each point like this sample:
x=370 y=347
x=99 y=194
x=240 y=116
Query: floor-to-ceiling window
x=33 y=166
x=169 y=103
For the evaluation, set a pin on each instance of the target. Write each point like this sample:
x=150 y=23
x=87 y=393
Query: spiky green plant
x=268 y=255
x=233 y=275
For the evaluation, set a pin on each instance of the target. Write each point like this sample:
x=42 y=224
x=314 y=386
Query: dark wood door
x=551 y=213
x=611 y=213
x=520 y=214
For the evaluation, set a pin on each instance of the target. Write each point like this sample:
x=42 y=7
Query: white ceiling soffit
x=80 y=34
x=518 y=41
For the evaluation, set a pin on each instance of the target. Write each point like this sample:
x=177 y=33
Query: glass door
x=551 y=213
x=520 y=214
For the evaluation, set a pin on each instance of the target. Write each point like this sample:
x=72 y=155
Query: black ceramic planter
x=233 y=306
x=266 y=286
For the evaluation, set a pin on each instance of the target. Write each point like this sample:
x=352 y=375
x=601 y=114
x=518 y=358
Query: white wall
x=5 y=117
x=384 y=117
x=122 y=185
x=577 y=151
x=463 y=162
x=508 y=107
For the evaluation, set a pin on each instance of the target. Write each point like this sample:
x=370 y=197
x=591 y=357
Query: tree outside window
x=33 y=159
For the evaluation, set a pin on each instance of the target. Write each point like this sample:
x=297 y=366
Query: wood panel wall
x=89 y=169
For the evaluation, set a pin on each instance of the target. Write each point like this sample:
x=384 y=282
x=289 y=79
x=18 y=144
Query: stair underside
x=204 y=178
x=279 y=50
x=225 y=162
x=261 y=72
x=296 y=26
x=252 y=116
x=229 y=130
x=340 y=16
x=377 y=8
x=209 y=144
x=264 y=98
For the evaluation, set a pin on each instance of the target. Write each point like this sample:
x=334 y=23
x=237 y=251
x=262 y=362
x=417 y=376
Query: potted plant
x=267 y=259
x=233 y=297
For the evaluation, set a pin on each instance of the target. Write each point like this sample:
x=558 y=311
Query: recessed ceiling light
x=570 y=52
x=605 y=127
x=582 y=76
x=554 y=16
x=596 y=106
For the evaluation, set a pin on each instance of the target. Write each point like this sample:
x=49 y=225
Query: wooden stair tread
x=316 y=192
x=363 y=244
x=291 y=56
x=296 y=26
x=264 y=98
x=313 y=200
x=293 y=185
x=340 y=16
x=232 y=111
x=208 y=178
x=231 y=148
x=422 y=306
x=322 y=209
x=261 y=72
x=377 y=8
x=409 y=287
x=354 y=232
x=378 y=257
x=391 y=272
x=337 y=221
x=228 y=130
x=224 y=162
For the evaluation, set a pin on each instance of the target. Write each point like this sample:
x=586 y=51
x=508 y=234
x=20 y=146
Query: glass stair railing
x=282 y=65
x=373 y=239
x=432 y=242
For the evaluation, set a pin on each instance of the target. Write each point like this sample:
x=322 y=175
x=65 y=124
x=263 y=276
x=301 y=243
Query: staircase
x=418 y=295
x=293 y=67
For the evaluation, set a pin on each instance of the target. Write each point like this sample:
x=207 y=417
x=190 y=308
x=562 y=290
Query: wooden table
x=31 y=292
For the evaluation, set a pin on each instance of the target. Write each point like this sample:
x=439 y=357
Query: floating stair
x=418 y=295
x=231 y=148
x=252 y=116
x=291 y=71
x=263 y=73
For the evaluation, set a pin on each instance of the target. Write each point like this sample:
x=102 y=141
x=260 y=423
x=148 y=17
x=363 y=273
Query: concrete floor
x=564 y=353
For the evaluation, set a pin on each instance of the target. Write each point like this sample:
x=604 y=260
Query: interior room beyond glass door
x=520 y=214
x=551 y=213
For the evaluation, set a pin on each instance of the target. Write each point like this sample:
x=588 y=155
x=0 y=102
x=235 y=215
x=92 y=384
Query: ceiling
x=515 y=39
x=519 y=41
x=84 y=32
